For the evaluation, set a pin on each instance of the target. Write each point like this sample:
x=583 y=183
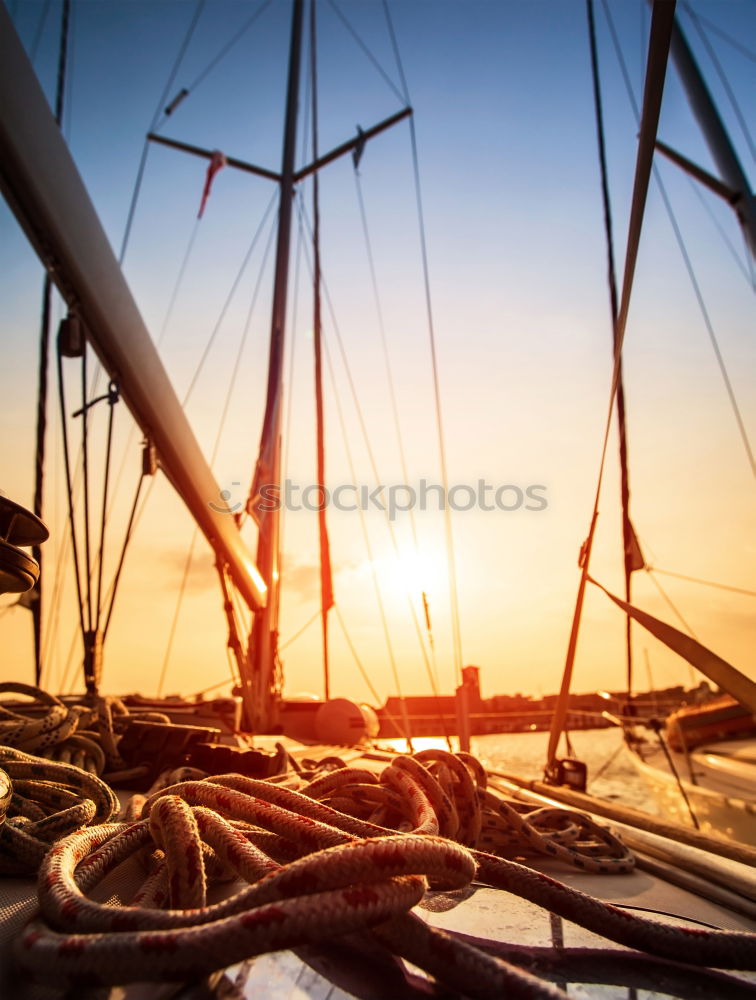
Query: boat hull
x=722 y=795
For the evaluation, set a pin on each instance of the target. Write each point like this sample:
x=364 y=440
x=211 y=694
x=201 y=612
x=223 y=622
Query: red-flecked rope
x=352 y=884
x=462 y=809
x=352 y=874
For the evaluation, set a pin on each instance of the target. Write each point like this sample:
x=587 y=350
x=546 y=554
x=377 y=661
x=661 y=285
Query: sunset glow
x=512 y=227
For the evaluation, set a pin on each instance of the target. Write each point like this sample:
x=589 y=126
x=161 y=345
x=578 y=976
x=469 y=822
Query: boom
x=42 y=185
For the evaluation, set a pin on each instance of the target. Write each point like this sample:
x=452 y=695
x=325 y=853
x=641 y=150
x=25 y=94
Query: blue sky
x=508 y=163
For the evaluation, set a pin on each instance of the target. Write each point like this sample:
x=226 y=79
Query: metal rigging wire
x=166 y=320
x=138 y=509
x=686 y=258
x=38 y=33
x=431 y=664
x=179 y=279
x=69 y=490
x=156 y=124
x=90 y=605
x=370 y=55
x=226 y=406
x=748 y=53
x=55 y=608
x=384 y=343
x=113 y=589
x=723 y=78
x=746 y=269
x=627 y=528
x=221 y=54
x=160 y=116
x=706 y=583
x=450 y=554
x=365 y=534
x=93 y=619
x=660 y=35
x=226 y=304
x=44 y=353
x=68 y=665
x=670 y=602
x=403 y=727
x=303 y=226
x=709 y=328
x=112 y=398
x=300 y=631
x=360 y=665
x=85 y=454
x=371 y=457
x=177 y=610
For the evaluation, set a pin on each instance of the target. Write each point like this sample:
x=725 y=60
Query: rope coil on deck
x=47 y=800
x=85 y=735
x=53 y=755
x=312 y=872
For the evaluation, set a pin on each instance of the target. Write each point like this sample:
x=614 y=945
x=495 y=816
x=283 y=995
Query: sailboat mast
x=260 y=684
x=326 y=579
x=716 y=136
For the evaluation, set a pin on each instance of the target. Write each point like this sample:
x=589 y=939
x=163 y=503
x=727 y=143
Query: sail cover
x=729 y=678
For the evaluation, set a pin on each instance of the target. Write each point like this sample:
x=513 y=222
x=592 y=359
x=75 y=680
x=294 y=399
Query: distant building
x=436 y=715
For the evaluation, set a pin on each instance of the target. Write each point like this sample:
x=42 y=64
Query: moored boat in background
x=701 y=766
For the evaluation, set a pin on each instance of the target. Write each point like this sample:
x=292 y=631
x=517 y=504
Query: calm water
x=524 y=755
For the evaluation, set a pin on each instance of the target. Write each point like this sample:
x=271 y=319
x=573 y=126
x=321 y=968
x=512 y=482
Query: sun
x=412 y=571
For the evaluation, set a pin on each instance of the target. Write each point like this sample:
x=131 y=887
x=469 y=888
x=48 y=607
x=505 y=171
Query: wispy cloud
x=202 y=575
